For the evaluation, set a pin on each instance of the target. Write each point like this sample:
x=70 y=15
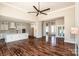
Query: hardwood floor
x=34 y=47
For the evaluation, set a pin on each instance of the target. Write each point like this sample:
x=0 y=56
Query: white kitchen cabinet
x=1 y=36
x=17 y=27
x=3 y=26
x=20 y=27
x=12 y=25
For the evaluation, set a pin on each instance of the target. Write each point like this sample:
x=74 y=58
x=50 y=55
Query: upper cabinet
x=3 y=25
x=12 y=25
x=20 y=26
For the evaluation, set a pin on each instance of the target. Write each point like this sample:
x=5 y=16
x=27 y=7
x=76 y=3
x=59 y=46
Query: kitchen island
x=15 y=37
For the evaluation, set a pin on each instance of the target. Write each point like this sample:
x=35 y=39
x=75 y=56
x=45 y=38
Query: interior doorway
x=32 y=32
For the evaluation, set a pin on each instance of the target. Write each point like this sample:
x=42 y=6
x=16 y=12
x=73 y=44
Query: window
x=52 y=28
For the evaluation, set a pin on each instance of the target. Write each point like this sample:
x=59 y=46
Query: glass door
x=60 y=30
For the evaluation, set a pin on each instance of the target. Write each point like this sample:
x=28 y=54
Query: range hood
x=12 y=25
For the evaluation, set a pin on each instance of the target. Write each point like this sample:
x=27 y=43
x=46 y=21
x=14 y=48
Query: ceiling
x=28 y=6
x=5 y=18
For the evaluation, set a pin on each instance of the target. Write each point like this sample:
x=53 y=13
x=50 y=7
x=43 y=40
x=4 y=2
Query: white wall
x=44 y=28
x=69 y=18
x=77 y=22
x=59 y=21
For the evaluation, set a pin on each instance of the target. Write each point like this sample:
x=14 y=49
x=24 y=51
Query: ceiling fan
x=38 y=11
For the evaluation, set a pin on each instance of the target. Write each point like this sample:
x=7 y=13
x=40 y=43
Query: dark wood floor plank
x=34 y=47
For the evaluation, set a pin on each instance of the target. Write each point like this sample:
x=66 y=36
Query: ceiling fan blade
x=45 y=10
x=36 y=8
x=43 y=13
x=37 y=14
x=32 y=12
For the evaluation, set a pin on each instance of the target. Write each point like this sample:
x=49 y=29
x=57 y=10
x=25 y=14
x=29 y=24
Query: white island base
x=15 y=37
